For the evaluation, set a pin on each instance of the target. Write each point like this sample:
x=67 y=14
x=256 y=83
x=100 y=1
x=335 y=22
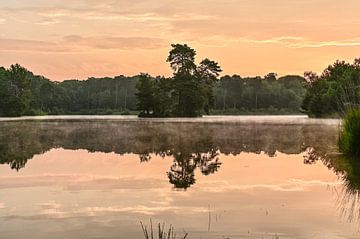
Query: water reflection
x=191 y=145
x=275 y=190
x=348 y=171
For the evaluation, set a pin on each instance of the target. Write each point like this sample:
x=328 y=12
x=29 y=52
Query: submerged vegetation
x=349 y=140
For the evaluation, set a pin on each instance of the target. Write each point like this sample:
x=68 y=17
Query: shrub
x=349 y=141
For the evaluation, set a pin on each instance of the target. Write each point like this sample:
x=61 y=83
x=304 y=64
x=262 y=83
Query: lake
x=212 y=177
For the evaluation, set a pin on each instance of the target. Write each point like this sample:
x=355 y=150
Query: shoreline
x=245 y=119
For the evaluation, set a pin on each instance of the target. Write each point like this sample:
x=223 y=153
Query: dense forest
x=268 y=94
x=23 y=93
x=192 y=91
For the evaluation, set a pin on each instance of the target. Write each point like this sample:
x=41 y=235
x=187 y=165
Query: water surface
x=213 y=177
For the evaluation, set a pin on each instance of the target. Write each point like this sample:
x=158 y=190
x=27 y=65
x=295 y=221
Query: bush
x=349 y=141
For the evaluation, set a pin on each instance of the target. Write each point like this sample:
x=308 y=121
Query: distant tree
x=182 y=59
x=15 y=91
x=189 y=93
x=186 y=89
x=271 y=77
x=246 y=95
x=208 y=72
x=193 y=85
x=46 y=96
x=163 y=103
x=145 y=95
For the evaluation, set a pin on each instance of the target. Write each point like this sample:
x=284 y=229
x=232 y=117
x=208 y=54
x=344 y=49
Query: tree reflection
x=192 y=146
x=209 y=162
x=144 y=157
x=182 y=172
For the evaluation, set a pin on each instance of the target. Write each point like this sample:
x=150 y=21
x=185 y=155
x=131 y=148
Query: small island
x=189 y=93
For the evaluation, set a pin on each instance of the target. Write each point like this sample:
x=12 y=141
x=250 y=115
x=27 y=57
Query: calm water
x=216 y=177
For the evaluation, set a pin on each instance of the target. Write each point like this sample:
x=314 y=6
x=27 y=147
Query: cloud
x=19 y=45
x=60 y=213
x=293 y=185
x=141 y=209
x=285 y=41
x=116 y=42
x=81 y=182
x=77 y=43
x=48 y=21
x=2 y=205
x=103 y=12
x=245 y=31
x=340 y=43
x=49 y=205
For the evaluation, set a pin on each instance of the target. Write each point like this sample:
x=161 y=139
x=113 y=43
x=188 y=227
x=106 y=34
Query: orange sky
x=64 y=39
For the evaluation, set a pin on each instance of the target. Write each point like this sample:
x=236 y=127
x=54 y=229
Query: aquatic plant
x=349 y=140
x=162 y=233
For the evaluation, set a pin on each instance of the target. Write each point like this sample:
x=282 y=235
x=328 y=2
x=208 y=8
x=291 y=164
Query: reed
x=162 y=232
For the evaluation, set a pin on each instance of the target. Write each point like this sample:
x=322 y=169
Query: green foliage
x=189 y=93
x=23 y=93
x=194 y=90
x=238 y=95
x=163 y=104
x=15 y=91
x=145 y=95
x=191 y=83
x=349 y=140
x=334 y=92
x=182 y=59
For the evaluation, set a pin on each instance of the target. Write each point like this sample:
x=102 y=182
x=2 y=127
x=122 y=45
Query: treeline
x=267 y=94
x=196 y=90
x=23 y=93
x=193 y=90
x=335 y=91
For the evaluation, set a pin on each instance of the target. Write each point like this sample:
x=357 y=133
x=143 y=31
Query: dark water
x=220 y=177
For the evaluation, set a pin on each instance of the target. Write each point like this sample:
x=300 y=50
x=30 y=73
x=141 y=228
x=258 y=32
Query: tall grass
x=349 y=141
x=162 y=232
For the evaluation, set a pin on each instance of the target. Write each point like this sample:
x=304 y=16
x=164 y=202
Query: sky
x=77 y=39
